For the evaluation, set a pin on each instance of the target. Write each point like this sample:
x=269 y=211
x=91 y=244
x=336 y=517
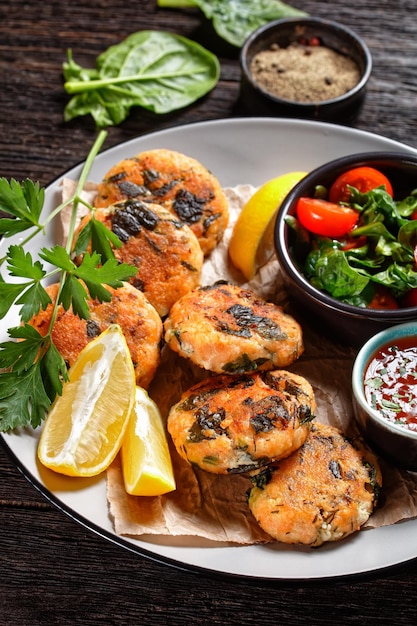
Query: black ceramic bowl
x=283 y=32
x=349 y=324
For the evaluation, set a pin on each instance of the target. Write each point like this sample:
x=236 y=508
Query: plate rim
x=118 y=540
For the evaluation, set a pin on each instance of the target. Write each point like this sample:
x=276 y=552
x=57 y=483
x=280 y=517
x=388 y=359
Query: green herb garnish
x=235 y=20
x=32 y=369
x=155 y=70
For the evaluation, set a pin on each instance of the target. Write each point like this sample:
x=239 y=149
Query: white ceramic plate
x=236 y=151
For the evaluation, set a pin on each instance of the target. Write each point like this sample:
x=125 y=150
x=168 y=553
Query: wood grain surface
x=52 y=570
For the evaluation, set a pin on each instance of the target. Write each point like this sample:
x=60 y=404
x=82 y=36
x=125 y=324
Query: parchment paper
x=210 y=508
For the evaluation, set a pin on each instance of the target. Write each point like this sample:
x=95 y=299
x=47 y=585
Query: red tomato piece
x=350 y=243
x=362 y=178
x=383 y=299
x=326 y=218
x=410 y=298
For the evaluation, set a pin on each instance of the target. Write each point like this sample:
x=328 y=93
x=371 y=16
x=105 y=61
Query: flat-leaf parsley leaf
x=32 y=371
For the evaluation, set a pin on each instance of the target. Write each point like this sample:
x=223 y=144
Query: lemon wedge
x=252 y=237
x=146 y=461
x=84 y=429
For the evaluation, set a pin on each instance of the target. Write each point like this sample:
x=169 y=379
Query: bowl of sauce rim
x=398 y=443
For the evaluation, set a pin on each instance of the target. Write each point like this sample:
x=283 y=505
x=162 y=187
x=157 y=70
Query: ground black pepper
x=304 y=73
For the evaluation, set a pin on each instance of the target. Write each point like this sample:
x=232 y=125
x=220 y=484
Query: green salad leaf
x=155 y=70
x=235 y=20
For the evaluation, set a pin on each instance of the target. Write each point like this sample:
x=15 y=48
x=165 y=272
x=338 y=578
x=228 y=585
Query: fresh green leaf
x=23 y=399
x=31 y=294
x=83 y=239
x=20 y=263
x=407 y=235
x=9 y=292
x=53 y=372
x=23 y=353
x=24 y=201
x=111 y=273
x=75 y=295
x=398 y=278
x=11 y=226
x=23 y=396
x=32 y=300
x=103 y=240
x=59 y=257
x=336 y=276
x=235 y=20
x=155 y=70
x=407 y=206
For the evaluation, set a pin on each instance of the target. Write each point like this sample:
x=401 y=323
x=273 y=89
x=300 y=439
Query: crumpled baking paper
x=206 y=507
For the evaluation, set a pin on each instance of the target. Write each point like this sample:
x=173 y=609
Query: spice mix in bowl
x=304 y=67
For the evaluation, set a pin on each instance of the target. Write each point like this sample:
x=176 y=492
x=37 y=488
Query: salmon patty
x=226 y=329
x=165 y=251
x=179 y=182
x=139 y=321
x=323 y=492
x=237 y=424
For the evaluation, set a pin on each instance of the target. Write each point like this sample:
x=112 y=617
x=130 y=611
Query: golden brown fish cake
x=180 y=182
x=139 y=321
x=323 y=492
x=235 y=424
x=229 y=330
x=166 y=252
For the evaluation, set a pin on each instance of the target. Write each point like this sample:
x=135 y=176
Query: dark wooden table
x=52 y=570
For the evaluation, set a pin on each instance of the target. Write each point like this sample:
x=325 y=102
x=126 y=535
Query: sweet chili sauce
x=390 y=382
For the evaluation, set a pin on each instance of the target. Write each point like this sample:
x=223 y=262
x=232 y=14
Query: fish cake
x=236 y=424
x=180 y=182
x=139 y=321
x=323 y=492
x=165 y=251
x=226 y=329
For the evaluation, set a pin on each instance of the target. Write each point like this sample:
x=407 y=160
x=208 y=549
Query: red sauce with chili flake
x=390 y=383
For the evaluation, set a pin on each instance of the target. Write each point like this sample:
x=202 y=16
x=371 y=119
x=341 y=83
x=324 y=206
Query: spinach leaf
x=235 y=20
x=337 y=277
x=398 y=278
x=156 y=70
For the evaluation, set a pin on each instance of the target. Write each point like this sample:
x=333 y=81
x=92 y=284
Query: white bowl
x=397 y=443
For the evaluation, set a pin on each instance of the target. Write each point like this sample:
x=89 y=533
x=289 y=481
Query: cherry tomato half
x=326 y=218
x=362 y=178
x=350 y=243
x=383 y=299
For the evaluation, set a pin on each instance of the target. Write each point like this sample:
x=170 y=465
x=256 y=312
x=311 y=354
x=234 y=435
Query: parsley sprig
x=32 y=370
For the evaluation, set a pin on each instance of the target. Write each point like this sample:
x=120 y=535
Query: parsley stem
x=81 y=182
x=76 y=197
x=75 y=200
x=33 y=234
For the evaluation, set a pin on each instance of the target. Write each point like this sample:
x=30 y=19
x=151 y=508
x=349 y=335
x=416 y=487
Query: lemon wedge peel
x=85 y=426
x=253 y=229
x=146 y=460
